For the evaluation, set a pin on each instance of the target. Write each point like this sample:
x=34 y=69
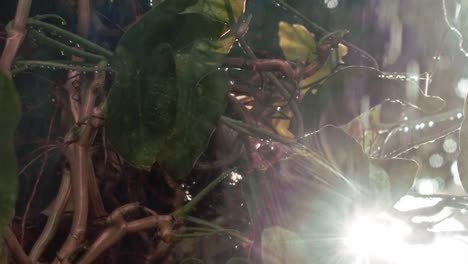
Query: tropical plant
x=145 y=122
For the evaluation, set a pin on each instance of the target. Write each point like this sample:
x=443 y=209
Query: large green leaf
x=340 y=97
x=168 y=92
x=296 y=42
x=9 y=117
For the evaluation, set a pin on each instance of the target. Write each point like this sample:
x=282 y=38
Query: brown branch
x=15 y=36
x=53 y=221
x=72 y=87
x=82 y=169
x=84 y=17
x=15 y=248
x=118 y=227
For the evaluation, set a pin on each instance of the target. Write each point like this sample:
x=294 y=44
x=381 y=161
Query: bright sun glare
x=385 y=239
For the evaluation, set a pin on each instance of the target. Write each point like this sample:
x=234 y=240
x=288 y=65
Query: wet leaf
x=227 y=11
x=401 y=173
x=463 y=156
x=280 y=245
x=296 y=42
x=340 y=97
x=10 y=112
x=168 y=93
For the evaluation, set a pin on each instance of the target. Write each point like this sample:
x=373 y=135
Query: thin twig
x=187 y=208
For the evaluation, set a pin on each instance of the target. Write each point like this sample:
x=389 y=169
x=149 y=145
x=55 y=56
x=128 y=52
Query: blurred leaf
x=10 y=112
x=296 y=42
x=280 y=246
x=361 y=179
x=320 y=188
x=340 y=97
x=463 y=156
x=401 y=173
x=227 y=11
x=168 y=93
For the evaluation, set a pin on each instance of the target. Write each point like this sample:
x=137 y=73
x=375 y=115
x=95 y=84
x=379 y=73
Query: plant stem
x=25 y=64
x=83 y=42
x=282 y=90
x=67 y=49
x=187 y=208
x=15 y=36
x=53 y=220
x=254 y=131
x=81 y=168
x=15 y=247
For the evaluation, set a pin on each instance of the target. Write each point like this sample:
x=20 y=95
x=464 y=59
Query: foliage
x=335 y=185
x=9 y=118
x=182 y=103
x=296 y=42
x=168 y=106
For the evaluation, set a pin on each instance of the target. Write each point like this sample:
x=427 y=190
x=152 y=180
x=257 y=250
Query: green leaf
x=168 y=92
x=10 y=112
x=296 y=42
x=280 y=246
x=358 y=178
x=462 y=162
x=339 y=98
x=401 y=173
x=226 y=11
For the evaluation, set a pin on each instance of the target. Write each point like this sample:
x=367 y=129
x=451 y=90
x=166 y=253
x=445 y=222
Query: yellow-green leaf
x=296 y=42
x=227 y=11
